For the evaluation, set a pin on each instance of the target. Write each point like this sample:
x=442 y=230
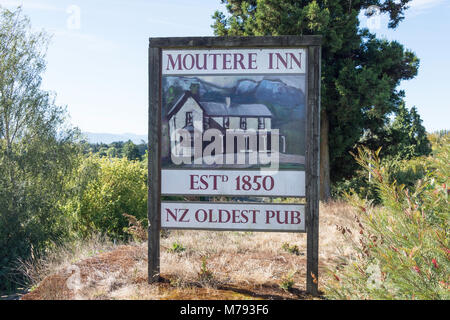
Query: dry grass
x=63 y=257
x=213 y=265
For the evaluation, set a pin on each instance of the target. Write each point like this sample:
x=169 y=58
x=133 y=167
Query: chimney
x=228 y=101
x=195 y=90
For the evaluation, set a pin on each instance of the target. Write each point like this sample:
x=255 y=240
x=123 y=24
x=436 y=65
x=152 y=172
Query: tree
x=131 y=151
x=360 y=73
x=407 y=137
x=36 y=149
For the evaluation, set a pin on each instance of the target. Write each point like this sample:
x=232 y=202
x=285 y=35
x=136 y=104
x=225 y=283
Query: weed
x=176 y=248
x=205 y=275
x=135 y=228
x=291 y=249
x=287 y=281
x=164 y=233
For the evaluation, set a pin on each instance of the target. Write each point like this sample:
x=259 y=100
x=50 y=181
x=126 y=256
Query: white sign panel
x=233 y=183
x=237 y=61
x=233 y=216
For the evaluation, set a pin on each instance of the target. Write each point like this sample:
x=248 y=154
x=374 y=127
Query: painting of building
x=262 y=113
x=189 y=113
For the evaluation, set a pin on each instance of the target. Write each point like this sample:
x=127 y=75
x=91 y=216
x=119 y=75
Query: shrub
x=403 y=250
x=105 y=189
x=402 y=172
x=287 y=281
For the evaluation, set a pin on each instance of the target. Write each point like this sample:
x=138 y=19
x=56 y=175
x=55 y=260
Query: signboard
x=234 y=117
x=233 y=182
x=238 y=109
x=233 y=216
x=234 y=61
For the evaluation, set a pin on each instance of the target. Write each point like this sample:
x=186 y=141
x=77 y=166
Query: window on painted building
x=244 y=123
x=261 y=124
x=188 y=118
x=226 y=122
x=247 y=143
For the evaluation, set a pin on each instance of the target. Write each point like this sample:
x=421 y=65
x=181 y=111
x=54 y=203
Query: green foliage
x=405 y=141
x=131 y=151
x=404 y=137
x=287 y=281
x=291 y=249
x=205 y=275
x=403 y=250
x=360 y=73
x=104 y=190
x=358 y=183
x=118 y=149
x=402 y=172
x=177 y=248
x=37 y=150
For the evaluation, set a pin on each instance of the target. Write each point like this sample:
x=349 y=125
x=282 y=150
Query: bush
x=359 y=184
x=402 y=172
x=105 y=189
x=403 y=251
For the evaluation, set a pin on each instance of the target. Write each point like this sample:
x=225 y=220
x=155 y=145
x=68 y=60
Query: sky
x=97 y=61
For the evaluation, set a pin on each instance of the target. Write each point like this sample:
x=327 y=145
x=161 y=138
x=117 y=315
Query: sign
x=233 y=216
x=234 y=109
x=234 y=117
x=233 y=183
x=234 y=61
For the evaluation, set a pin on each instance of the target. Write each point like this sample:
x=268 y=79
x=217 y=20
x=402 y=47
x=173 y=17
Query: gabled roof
x=219 y=109
x=180 y=102
x=236 y=110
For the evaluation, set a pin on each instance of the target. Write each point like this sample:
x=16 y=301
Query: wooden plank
x=239 y=42
x=154 y=164
x=312 y=170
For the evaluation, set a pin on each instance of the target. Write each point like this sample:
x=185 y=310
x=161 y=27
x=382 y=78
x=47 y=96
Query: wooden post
x=154 y=163
x=312 y=170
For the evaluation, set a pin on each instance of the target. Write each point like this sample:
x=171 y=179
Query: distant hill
x=111 y=137
x=267 y=91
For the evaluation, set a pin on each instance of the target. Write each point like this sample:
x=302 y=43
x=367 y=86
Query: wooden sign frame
x=312 y=44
